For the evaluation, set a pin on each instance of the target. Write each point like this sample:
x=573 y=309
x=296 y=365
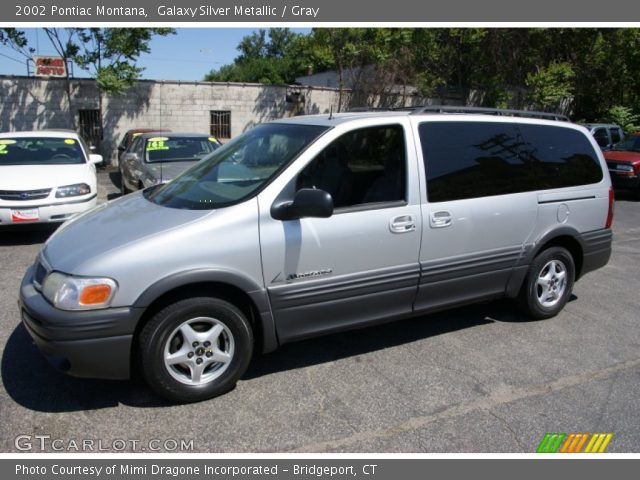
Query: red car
x=624 y=163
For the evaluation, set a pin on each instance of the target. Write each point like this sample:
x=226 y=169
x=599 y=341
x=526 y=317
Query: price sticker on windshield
x=3 y=146
x=157 y=143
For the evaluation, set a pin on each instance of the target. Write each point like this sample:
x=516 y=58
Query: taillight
x=610 y=212
x=636 y=168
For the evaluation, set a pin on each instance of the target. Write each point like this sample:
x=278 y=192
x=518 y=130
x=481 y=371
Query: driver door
x=361 y=264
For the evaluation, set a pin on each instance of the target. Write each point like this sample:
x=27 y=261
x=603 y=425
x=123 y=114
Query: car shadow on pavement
x=26 y=234
x=369 y=339
x=627 y=195
x=32 y=383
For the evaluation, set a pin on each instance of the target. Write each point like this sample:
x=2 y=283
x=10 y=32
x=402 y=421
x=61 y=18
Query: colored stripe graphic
x=550 y=443
x=573 y=442
x=598 y=443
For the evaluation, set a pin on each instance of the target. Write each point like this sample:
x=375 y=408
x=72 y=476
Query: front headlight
x=78 y=293
x=73 y=190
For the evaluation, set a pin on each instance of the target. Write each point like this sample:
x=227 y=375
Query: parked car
x=329 y=222
x=624 y=163
x=156 y=158
x=127 y=138
x=45 y=176
x=606 y=134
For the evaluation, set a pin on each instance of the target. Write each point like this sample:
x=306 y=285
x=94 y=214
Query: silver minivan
x=316 y=224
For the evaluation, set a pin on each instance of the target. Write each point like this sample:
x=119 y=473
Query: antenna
x=331 y=113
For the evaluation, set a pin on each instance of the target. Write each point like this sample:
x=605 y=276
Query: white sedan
x=45 y=176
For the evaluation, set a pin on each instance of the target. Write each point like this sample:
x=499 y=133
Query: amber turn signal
x=95 y=294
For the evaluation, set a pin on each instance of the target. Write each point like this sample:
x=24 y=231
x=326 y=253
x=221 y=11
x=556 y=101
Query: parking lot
x=474 y=379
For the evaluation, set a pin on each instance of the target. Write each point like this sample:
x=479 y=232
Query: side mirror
x=95 y=158
x=307 y=202
x=130 y=157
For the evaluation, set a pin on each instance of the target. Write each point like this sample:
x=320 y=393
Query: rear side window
x=480 y=159
x=472 y=159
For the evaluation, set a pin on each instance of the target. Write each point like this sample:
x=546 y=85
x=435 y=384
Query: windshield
x=631 y=144
x=178 y=149
x=40 y=151
x=238 y=169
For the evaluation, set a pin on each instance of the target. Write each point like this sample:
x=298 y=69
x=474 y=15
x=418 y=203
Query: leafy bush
x=624 y=117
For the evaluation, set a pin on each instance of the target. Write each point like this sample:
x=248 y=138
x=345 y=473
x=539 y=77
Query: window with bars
x=220 y=124
x=90 y=125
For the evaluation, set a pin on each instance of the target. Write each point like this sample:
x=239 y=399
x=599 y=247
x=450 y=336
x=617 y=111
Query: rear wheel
x=195 y=349
x=548 y=284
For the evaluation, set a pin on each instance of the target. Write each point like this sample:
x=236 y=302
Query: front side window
x=367 y=165
x=40 y=151
x=238 y=169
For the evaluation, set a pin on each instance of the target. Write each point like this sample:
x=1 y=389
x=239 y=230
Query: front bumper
x=94 y=344
x=54 y=212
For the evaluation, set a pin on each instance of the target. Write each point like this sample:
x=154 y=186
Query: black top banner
x=314 y=11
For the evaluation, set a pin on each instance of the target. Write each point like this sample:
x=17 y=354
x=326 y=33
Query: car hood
x=116 y=225
x=621 y=156
x=36 y=177
x=166 y=171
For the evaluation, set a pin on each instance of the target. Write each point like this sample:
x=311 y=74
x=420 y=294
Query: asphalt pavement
x=474 y=379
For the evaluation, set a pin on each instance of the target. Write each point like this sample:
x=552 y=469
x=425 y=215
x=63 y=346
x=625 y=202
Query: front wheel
x=195 y=349
x=548 y=284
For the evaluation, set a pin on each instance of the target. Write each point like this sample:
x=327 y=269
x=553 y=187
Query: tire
x=176 y=360
x=548 y=284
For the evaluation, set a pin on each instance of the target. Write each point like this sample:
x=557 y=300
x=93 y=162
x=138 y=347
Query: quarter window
x=363 y=166
x=559 y=157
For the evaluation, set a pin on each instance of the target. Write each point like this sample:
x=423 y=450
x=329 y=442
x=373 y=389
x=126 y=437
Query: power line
x=11 y=58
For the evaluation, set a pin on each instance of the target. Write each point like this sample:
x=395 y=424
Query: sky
x=188 y=55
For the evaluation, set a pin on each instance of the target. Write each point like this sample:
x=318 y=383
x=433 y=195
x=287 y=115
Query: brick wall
x=30 y=104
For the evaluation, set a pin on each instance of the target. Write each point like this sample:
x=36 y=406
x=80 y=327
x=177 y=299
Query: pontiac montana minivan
x=315 y=224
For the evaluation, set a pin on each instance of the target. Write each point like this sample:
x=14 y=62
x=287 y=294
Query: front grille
x=24 y=195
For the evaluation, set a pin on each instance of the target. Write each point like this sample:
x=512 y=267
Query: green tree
x=270 y=57
x=110 y=55
x=550 y=86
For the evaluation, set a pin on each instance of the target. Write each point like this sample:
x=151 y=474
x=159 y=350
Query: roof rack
x=489 y=111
